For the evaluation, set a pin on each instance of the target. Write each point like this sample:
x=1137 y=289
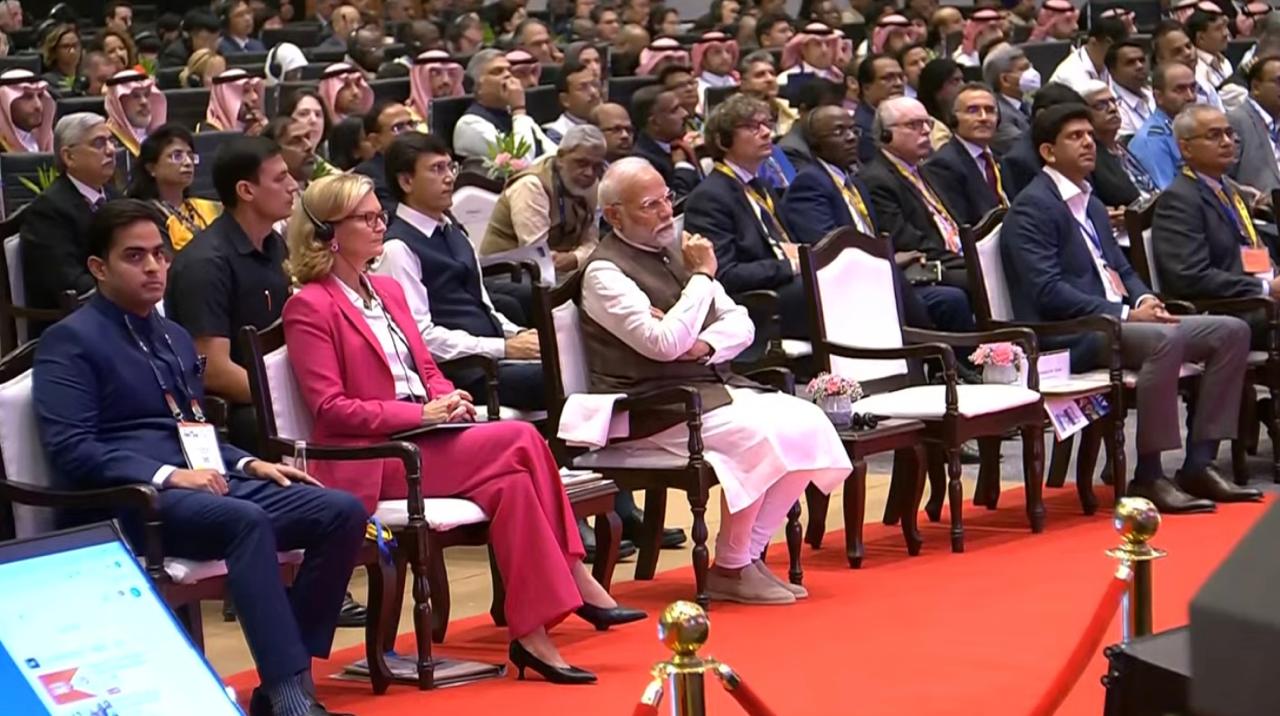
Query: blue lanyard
x=1091 y=234
x=189 y=395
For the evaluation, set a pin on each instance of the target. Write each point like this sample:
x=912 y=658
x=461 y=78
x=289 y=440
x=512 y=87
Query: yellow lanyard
x=1004 y=200
x=765 y=202
x=1243 y=220
x=854 y=199
x=950 y=231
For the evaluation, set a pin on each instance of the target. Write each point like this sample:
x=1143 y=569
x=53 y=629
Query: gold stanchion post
x=1136 y=520
x=684 y=628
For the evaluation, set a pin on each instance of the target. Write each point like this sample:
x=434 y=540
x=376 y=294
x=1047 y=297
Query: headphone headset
x=324 y=229
x=886 y=135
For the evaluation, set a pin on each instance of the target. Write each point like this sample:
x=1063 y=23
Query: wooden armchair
x=993 y=308
x=1264 y=365
x=31 y=503
x=564 y=368
x=863 y=338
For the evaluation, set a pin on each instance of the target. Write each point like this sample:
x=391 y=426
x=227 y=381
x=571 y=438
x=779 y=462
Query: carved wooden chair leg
x=438 y=577
x=382 y=600
x=1086 y=463
x=655 y=513
x=1248 y=415
x=913 y=473
x=987 y=493
x=1033 y=474
x=794 y=572
x=818 y=505
x=937 y=470
x=608 y=538
x=855 y=511
x=701 y=556
x=955 y=497
x=420 y=555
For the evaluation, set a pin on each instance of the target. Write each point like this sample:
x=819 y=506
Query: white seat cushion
x=930 y=401
x=443 y=513
x=794 y=348
x=190 y=571
x=1257 y=357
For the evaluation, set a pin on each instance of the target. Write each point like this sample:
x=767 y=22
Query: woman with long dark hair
x=162 y=176
x=940 y=80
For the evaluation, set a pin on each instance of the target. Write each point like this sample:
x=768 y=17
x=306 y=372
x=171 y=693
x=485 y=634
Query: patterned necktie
x=97 y=204
x=989 y=168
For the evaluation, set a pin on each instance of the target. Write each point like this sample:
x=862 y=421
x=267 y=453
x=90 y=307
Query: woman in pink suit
x=366 y=374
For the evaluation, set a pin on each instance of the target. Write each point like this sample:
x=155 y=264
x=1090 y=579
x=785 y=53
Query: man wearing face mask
x=553 y=201
x=1008 y=71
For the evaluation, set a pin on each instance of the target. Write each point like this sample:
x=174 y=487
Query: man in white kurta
x=765 y=447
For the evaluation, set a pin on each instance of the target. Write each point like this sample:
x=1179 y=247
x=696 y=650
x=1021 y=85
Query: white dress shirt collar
x=419 y=220
x=27 y=139
x=743 y=175
x=1069 y=189
x=91 y=195
x=1267 y=119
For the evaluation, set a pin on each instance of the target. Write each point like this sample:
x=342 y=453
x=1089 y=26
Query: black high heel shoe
x=524 y=659
x=602 y=618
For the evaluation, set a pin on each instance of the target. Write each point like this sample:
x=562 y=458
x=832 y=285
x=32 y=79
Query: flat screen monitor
x=83 y=632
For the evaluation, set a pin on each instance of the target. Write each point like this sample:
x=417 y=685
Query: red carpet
x=976 y=633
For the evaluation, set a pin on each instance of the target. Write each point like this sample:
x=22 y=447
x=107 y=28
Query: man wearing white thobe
x=654 y=316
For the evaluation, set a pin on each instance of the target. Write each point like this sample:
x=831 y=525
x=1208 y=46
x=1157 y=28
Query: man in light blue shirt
x=1174 y=87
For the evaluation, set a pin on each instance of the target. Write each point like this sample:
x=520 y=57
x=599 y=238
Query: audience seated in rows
x=652 y=317
x=434 y=74
x=1153 y=144
x=964 y=171
x=660 y=126
x=499 y=107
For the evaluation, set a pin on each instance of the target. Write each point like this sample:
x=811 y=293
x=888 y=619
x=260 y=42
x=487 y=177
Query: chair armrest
x=217 y=410
x=775 y=377
x=513 y=270
x=1108 y=326
x=1024 y=336
x=678 y=395
x=1236 y=306
x=141 y=497
x=1178 y=307
x=490 y=368
x=406 y=452
x=762 y=308
x=941 y=351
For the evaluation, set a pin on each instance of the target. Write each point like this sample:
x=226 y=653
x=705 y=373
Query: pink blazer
x=345 y=379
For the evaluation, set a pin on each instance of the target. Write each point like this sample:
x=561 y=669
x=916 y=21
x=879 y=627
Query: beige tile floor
x=469 y=578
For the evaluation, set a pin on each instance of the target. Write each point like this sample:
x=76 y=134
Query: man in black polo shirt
x=231 y=274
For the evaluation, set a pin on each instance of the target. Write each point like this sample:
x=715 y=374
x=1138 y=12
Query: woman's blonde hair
x=49 y=48
x=197 y=65
x=328 y=199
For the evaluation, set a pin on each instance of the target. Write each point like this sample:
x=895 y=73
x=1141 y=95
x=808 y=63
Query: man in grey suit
x=1203 y=239
x=1063 y=262
x=1258 y=128
x=1008 y=71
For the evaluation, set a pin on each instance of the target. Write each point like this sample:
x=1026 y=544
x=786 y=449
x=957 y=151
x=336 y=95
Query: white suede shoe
x=748 y=587
x=797 y=590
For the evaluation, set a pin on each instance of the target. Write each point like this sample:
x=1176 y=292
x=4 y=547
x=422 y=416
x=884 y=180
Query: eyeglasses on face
x=1104 y=104
x=178 y=156
x=922 y=125
x=757 y=125
x=651 y=205
x=102 y=144
x=1217 y=134
x=443 y=169
x=371 y=219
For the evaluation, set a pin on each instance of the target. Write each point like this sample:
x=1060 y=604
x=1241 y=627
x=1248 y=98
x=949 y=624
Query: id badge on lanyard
x=200 y=446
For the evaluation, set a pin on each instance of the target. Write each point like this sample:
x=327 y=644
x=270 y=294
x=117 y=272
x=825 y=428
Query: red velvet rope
x=1090 y=640
x=748 y=700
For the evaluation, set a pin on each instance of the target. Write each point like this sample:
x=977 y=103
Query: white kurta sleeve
x=525 y=127
x=732 y=330
x=613 y=300
x=399 y=262
x=472 y=136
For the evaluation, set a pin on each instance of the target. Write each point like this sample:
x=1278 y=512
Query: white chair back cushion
x=293 y=417
x=24 y=458
x=993 y=277
x=1149 y=250
x=859 y=308
x=472 y=206
x=17 y=288
x=573 y=356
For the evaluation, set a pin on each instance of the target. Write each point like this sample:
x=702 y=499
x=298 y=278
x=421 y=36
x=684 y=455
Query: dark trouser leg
x=948 y=307
x=793 y=310
x=246 y=528
x=513 y=300
x=520 y=386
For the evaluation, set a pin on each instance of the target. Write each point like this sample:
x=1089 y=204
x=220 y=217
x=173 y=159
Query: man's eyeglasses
x=443 y=169
x=371 y=219
x=649 y=206
x=922 y=125
x=1217 y=134
x=979 y=110
x=1104 y=104
x=757 y=125
x=103 y=144
x=178 y=156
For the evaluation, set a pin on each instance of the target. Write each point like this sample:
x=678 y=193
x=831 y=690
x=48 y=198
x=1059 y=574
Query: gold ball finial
x=1136 y=520
x=683 y=628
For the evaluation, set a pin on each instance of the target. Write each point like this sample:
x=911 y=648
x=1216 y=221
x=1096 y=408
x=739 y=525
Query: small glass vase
x=1000 y=374
x=839 y=410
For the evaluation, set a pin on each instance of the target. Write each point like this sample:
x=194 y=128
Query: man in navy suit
x=881 y=77
x=1063 y=262
x=387 y=120
x=659 y=120
x=828 y=195
x=1202 y=236
x=964 y=170
x=755 y=249
x=113 y=382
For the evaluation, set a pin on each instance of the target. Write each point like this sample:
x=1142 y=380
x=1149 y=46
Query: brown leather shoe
x=1208 y=483
x=747 y=586
x=1169 y=499
x=799 y=591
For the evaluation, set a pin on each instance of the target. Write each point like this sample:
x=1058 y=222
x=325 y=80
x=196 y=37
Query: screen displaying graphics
x=83 y=633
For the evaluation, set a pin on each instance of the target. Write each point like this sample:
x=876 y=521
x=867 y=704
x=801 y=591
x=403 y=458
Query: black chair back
x=71 y=105
x=168 y=78
x=188 y=107
x=241 y=59
x=326 y=55
x=396 y=89
x=716 y=95
x=855 y=31
x=543 y=104
x=1045 y=56
x=314 y=70
x=445 y=113
x=303 y=35
x=550 y=74
x=621 y=89
x=207 y=144
x=14 y=168
x=20 y=62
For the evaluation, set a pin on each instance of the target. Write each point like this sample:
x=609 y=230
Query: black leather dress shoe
x=353 y=613
x=524 y=659
x=1209 y=484
x=1168 y=498
x=633 y=528
x=969 y=454
x=602 y=618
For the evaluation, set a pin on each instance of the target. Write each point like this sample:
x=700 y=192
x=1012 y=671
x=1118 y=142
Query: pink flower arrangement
x=828 y=385
x=1002 y=354
x=507 y=155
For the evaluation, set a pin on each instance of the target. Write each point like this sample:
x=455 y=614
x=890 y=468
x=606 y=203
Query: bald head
x=614 y=122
